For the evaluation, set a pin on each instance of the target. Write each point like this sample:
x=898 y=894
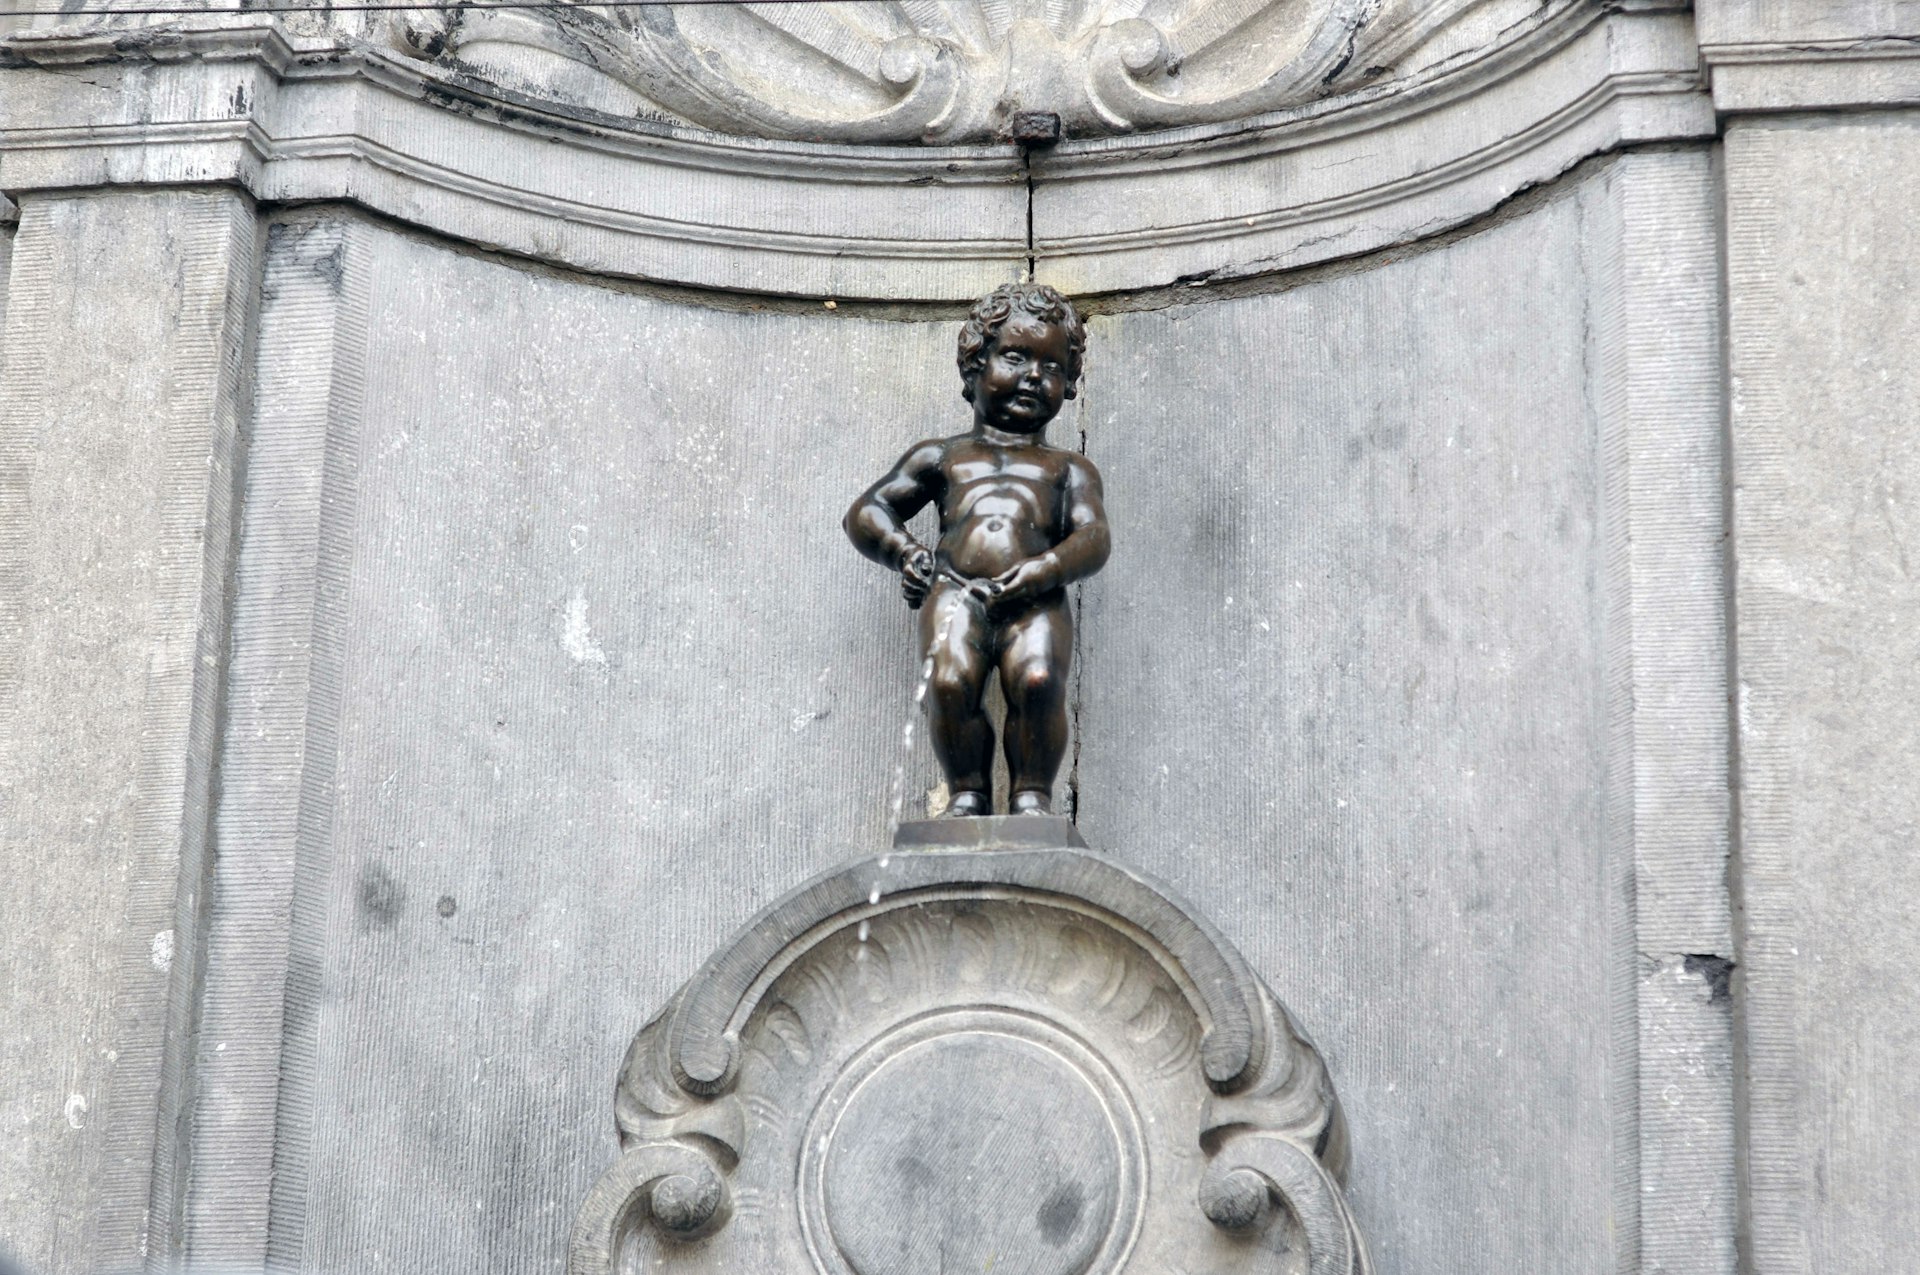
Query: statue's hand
x=1026 y=581
x=916 y=575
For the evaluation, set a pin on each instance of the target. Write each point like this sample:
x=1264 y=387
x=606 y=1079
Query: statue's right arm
x=877 y=522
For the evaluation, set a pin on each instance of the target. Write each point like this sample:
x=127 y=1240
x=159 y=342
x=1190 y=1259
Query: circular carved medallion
x=911 y=1081
x=972 y=1140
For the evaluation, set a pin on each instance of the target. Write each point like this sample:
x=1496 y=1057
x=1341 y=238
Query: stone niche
x=1023 y=1057
x=434 y=432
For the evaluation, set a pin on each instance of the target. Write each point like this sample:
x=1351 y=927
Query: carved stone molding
x=957 y=70
x=1768 y=57
x=293 y=114
x=1031 y=1060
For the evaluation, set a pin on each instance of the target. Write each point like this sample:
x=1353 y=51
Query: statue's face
x=1024 y=379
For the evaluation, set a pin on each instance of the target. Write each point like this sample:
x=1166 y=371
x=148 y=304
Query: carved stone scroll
x=1031 y=1060
x=956 y=71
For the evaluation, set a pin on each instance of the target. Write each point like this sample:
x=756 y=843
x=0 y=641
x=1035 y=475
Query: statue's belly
x=997 y=533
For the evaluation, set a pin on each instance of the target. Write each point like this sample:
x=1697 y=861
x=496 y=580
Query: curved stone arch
x=703 y=1036
x=1370 y=164
x=731 y=1100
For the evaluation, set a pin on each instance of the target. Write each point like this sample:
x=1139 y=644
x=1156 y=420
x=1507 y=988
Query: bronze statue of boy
x=1019 y=521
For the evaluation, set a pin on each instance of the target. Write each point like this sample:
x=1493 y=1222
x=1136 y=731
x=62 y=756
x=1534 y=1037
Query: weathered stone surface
x=478 y=752
x=1658 y=390
x=978 y=1150
x=295 y=117
x=275 y=817
x=300 y=110
x=1771 y=57
x=1337 y=179
x=988 y=832
x=1391 y=540
x=960 y=70
x=1027 y=1060
x=526 y=568
x=1822 y=269
x=584 y=699
x=9 y=215
x=120 y=407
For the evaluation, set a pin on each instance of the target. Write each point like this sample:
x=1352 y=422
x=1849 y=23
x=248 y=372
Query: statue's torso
x=1001 y=505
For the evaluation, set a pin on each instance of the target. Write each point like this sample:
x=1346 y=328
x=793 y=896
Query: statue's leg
x=1036 y=650
x=955 y=632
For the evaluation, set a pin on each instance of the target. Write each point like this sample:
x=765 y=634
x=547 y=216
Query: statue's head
x=1020 y=351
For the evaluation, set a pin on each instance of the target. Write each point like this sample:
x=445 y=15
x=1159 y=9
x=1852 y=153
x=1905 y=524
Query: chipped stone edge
x=1656 y=332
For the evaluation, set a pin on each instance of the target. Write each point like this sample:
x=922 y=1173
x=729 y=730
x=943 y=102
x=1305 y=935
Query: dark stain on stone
x=381 y=897
x=1060 y=1214
x=1718 y=973
x=915 y=1171
x=332 y=268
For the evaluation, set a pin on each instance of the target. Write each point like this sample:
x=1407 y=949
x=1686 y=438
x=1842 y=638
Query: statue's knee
x=1034 y=686
x=952 y=689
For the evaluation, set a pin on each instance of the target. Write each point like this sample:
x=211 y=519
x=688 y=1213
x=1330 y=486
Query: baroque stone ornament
x=515 y=146
x=954 y=71
x=1018 y=1058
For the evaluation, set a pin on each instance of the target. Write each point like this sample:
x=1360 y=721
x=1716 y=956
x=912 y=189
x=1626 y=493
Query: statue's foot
x=1030 y=801
x=969 y=805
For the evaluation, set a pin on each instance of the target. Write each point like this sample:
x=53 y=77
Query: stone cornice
x=300 y=119
x=1772 y=57
x=1419 y=158
x=1772 y=76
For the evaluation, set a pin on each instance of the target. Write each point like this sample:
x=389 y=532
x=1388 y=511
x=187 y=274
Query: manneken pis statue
x=1019 y=521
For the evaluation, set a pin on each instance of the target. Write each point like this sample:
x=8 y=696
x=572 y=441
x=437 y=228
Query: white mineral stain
x=161 y=951
x=76 y=1110
x=578 y=639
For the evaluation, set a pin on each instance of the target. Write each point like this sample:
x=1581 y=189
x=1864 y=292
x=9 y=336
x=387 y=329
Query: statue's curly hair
x=990 y=313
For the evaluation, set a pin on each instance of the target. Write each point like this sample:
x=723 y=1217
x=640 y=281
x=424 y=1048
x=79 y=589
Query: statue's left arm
x=1088 y=542
x=1082 y=552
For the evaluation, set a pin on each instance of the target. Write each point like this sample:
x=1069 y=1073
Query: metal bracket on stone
x=1001 y=1051
x=1035 y=128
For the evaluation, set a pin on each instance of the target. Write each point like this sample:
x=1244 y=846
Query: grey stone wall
x=1348 y=692
x=122 y=398
x=550 y=666
x=1365 y=695
x=414 y=658
x=1826 y=468
x=589 y=675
